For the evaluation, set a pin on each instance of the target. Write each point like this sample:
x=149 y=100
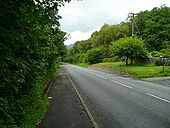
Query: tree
x=109 y=33
x=154 y=27
x=31 y=46
x=129 y=47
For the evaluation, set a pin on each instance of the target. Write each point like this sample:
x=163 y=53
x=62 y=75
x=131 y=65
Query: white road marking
x=95 y=125
x=106 y=79
x=49 y=97
x=122 y=84
x=157 y=97
x=101 y=77
x=92 y=73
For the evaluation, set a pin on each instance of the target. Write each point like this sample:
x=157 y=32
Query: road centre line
x=106 y=79
x=154 y=96
x=101 y=77
x=122 y=84
x=157 y=97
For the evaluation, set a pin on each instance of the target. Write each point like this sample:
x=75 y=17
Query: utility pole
x=132 y=19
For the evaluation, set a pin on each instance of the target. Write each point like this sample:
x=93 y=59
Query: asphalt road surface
x=120 y=102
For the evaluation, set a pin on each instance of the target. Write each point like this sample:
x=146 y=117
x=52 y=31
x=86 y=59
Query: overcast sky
x=81 y=18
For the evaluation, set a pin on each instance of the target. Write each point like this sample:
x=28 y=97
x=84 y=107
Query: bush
x=158 y=62
x=94 y=56
x=108 y=60
x=77 y=58
x=168 y=63
x=30 y=54
x=83 y=58
x=114 y=59
x=158 y=54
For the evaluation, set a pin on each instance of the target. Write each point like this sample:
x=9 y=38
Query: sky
x=81 y=18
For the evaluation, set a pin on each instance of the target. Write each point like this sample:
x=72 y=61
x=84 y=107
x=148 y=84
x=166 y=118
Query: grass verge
x=83 y=64
x=140 y=70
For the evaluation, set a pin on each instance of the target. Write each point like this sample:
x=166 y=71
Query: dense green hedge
x=30 y=53
x=95 y=56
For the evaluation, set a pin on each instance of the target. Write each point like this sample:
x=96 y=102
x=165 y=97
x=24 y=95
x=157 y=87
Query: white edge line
x=83 y=103
x=157 y=97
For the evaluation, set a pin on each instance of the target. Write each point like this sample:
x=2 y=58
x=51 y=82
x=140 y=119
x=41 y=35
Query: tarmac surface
x=116 y=109
x=65 y=109
x=122 y=102
x=165 y=81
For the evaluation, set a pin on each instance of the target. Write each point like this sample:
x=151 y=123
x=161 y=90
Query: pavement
x=65 y=109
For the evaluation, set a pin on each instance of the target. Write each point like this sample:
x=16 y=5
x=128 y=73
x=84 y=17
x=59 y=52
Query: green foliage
x=31 y=49
x=129 y=47
x=100 y=40
x=114 y=59
x=168 y=63
x=94 y=56
x=158 y=62
x=72 y=59
x=140 y=70
x=107 y=34
x=156 y=54
x=80 y=47
x=77 y=58
x=83 y=64
x=83 y=58
x=108 y=60
x=154 y=28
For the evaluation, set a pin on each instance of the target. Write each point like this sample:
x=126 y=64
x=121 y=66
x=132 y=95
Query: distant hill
x=70 y=46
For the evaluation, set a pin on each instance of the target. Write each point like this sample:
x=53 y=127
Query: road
x=121 y=102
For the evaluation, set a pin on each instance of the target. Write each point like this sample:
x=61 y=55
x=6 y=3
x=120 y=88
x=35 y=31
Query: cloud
x=80 y=17
x=78 y=35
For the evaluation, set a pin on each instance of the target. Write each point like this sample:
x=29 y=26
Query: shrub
x=108 y=60
x=168 y=63
x=30 y=49
x=114 y=59
x=94 y=56
x=83 y=58
x=158 y=54
x=158 y=62
x=72 y=59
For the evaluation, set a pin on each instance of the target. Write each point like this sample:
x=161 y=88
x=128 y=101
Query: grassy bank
x=83 y=64
x=140 y=70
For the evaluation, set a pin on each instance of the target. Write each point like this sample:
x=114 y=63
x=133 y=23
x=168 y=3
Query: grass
x=83 y=64
x=140 y=70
